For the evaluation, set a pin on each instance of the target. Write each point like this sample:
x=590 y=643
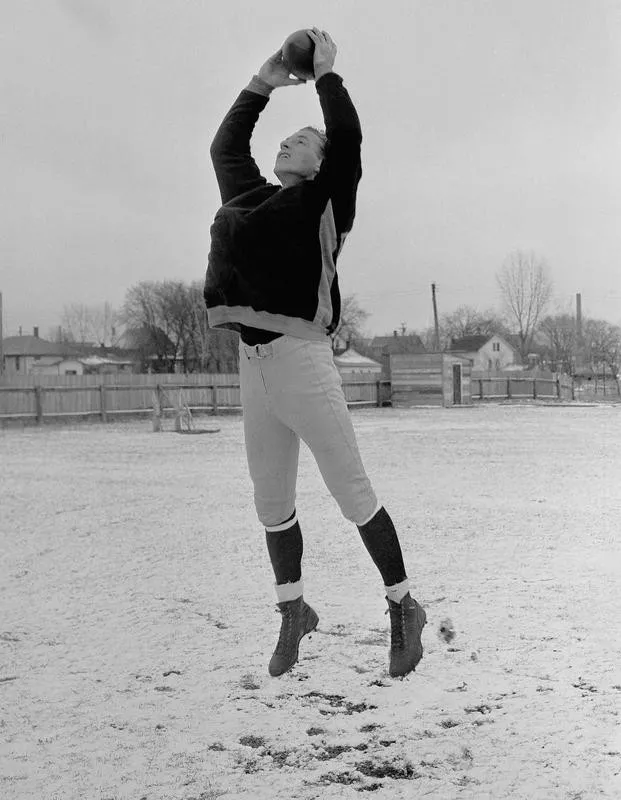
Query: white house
x=26 y=354
x=488 y=353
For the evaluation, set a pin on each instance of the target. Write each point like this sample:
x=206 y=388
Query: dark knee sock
x=381 y=540
x=285 y=550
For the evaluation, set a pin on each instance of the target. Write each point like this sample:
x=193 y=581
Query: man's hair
x=321 y=135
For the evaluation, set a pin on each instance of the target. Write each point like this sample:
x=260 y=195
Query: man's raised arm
x=341 y=168
x=236 y=169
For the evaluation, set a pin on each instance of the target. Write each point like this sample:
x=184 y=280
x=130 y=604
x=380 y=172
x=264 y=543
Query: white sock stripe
x=283 y=525
x=289 y=591
x=397 y=592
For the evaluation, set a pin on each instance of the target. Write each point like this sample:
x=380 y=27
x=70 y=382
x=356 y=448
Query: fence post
x=39 y=404
x=558 y=387
x=378 y=385
x=480 y=388
x=534 y=388
x=157 y=409
x=214 y=399
x=102 y=397
x=573 y=388
x=508 y=388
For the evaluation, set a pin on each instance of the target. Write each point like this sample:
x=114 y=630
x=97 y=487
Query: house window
x=496 y=347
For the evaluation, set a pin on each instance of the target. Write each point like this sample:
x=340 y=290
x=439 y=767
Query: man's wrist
x=260 y=86
x=321 y=71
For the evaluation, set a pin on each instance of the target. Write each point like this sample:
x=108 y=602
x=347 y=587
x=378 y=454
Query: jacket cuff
x=328 y=77
x=259 y=86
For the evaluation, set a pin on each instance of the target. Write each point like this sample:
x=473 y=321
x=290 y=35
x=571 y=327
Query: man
x=272 y=276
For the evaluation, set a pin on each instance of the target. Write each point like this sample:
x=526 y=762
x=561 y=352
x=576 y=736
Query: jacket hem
x=220 y=316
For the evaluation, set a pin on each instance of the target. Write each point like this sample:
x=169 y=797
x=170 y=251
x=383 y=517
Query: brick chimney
x=36 y=331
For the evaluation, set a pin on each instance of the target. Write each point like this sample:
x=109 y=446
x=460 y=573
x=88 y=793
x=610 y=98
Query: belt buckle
x=263 y=350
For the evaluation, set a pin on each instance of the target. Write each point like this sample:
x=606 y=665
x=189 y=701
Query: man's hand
x=276 y=74
x=325 y=52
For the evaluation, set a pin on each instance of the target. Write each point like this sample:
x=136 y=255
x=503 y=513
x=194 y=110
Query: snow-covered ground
x=137 y=615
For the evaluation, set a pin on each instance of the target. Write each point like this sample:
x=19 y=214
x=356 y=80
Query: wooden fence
x=519 y=387
x=108 y=396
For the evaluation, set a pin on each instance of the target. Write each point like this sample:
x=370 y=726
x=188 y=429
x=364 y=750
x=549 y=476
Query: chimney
x=579 y=317
x=35 y=331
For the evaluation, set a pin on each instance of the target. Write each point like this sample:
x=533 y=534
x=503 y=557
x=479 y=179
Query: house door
x=457 y=384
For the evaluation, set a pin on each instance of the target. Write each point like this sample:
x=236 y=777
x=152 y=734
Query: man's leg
x=272 y=451
x=318 y=413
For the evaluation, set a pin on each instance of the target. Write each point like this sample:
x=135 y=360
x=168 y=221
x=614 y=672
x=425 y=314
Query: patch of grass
x=370 y=726
x=388 y=769
x=466 y=753
x=217 y=746
x=379 y=640
x=252 y=741
x=449 y=723
x=332 y=751
x=482 y=708
x=210 y=794
x=370 y=787
x=314 y=731
x=338 y=630
x=338 y=701
x=279 y=757
x=249 y=682
x=345 y=778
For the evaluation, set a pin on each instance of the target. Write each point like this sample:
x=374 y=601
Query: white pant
x=291 y=390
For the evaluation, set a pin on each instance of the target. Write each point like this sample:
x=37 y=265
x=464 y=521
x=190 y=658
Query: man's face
x=299 y=157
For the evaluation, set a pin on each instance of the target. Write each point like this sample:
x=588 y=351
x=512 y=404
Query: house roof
x=391 y=345
x=99 y=361
x=35 y=346
x=352 y=358
x=470 y=344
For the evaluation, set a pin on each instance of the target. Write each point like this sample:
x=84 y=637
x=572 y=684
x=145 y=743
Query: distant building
x=355 y=367
x=23 y=354
x=31 y=355
x=382 y=347
x=488 y=353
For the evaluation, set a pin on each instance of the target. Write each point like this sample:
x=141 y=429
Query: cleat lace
x=286 y=631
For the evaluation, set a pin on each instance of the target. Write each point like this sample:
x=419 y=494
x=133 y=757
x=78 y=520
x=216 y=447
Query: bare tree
x=526 y=289
x=464 y=321
x=468 y=321
x=213 y=349
x=95 y=324
x=104 y=324
x=76 y=322
x=560 y=333
x=142 y=314
x=603 y=343
x=351 y=321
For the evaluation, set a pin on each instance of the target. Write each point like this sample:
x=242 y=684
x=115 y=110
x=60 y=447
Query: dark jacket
x=272 y=263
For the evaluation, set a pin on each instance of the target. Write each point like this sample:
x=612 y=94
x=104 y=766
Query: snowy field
x=137 y=615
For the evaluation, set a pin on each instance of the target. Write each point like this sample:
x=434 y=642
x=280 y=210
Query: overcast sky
x=489 y=125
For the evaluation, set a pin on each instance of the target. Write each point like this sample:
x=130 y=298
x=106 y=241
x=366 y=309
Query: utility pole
x=579 y=355
x=1 y=339
x=435 y=316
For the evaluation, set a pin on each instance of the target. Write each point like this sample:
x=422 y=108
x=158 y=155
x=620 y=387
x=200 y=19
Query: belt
x=258 y=350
